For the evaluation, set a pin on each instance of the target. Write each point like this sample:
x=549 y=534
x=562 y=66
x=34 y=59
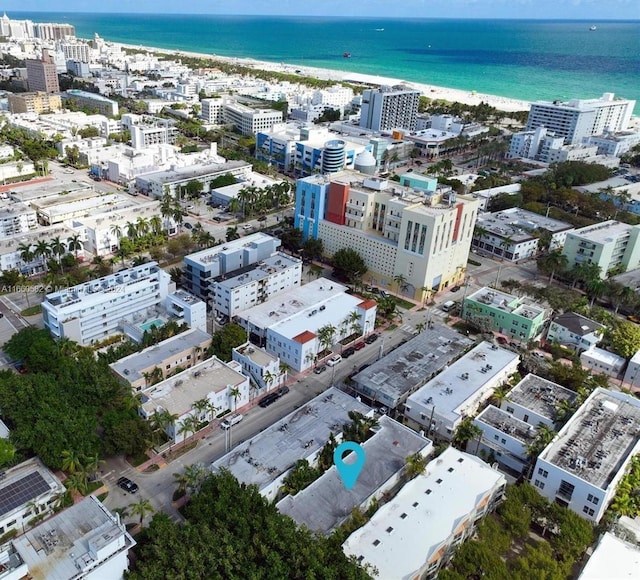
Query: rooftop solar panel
x=22 y=491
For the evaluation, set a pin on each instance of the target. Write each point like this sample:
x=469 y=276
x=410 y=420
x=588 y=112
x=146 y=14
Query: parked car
x=455 y=288
x=319 y=370
x=502 y=340
x=268 y=400
x=128 y=485
x=247 y=227
x=283 y=391
x=371 y=338
x=262 y=218
x=188 y=225
x=232 y=420
x=334 y=360
x=359 y=345
x=347 y=352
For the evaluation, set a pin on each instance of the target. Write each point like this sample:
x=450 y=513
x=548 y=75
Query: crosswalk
x=409 y=329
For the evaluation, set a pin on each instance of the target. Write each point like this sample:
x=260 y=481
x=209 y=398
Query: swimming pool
x=150 y=324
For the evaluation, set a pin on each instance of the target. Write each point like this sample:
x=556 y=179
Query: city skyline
x=493 y=9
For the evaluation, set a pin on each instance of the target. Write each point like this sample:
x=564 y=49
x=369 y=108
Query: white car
x=247 y=227
x=334 y=360
x=232 y=420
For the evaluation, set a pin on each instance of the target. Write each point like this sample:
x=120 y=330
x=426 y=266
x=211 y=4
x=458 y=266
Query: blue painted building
x=311 y=204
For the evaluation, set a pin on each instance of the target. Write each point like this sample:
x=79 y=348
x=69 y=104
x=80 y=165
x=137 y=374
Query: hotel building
x=389 y=108
x=579 y=118
x=422 y=235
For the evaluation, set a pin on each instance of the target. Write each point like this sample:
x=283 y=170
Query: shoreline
x=431 y=91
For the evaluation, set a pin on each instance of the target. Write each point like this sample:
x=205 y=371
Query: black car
x=347 y=352
x=371 y=338
x=128 y=485
x=283 y=391
x=319 y=370
x=262 y=218
x=268 y=400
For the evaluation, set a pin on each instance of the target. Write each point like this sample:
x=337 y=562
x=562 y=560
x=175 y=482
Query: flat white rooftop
x=207 y=256
x=519 y=225
x=326 y=503
x=405 y=533
x=604 y=232
x=507 y=302
x=178 y=393
x=264 y=458
x=286 y=305
x=268 y=267
x=613 y=558
x=598 y=439
x=453 y=387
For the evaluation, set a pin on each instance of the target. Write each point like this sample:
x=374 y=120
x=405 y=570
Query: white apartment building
x=262 y=368
x=602 y=362
x=632 y=373
x=75 y=50
x=578 y=118
x=256 y=284
x=337 y=96
x=101 y=233
x=83 y=541
x=535 y=400
x=66 y=207
x=27 y=490
x=458 y=391
x=417 y=532
x=147 y=131
x=289 y=323
x=575 y=331
x=16 y=218
x=582 y=466
x=212 y=111
x=423 y=236
x=157 y=183
x=389 y=108
x=11 y=248
x=221 y=384
x=614 y=144
x=266 y=459
x=202 y=268
x=249 y=121
x=95 y=310
x=608 y=244
x=514 y=234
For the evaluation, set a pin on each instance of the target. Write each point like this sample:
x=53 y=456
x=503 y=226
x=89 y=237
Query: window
x=587 y=510
x=376 y=542
x=389 y=530
x=438 y=481
x=526 y=418
x=503 y=441
x=542 y=472
x=539 y=484
x=403 y=516
x=415 y=504
x=510 y=410
x=428 y=491
x=496 y=437
x=450 y=470
x=593 y=499
x=566 y=489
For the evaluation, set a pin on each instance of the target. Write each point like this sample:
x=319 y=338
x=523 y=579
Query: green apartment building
x=492 y=310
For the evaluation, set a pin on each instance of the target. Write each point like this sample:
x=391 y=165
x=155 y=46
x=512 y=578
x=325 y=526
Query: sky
x=519 y=9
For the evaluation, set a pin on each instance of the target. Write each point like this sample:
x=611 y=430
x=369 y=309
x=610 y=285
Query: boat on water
x=593 y=28
x=379 y=29
x=346 y=54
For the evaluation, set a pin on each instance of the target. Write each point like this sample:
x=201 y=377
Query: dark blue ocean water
x=520 y=59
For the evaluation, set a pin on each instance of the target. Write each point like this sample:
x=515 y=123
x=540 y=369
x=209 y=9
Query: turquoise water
x=149 y=325
x=521 y=59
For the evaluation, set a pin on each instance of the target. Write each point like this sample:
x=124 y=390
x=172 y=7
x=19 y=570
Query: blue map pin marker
x=349 y=472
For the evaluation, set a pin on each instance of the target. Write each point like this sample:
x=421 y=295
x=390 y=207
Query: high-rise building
x=389 y=108
x=34 y=102
x=421 y=237
x=42 y=75
x=579 y=118
x=53 y=31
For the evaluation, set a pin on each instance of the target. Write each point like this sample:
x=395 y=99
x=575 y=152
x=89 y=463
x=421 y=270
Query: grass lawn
x=103 y=496
x=402 y=303
x=32 y=310
x=136 y=460
x=93 y=486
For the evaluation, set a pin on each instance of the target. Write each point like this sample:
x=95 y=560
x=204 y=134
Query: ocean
x=520 y=59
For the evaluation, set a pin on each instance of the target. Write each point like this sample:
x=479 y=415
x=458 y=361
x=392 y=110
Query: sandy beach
x=431 y=91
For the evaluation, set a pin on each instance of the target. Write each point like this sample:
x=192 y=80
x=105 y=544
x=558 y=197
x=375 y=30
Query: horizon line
x=337 y=17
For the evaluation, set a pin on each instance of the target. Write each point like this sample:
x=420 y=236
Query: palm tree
x=427 y=293
x=142 y=226
x=284 y=370
x=544 y=436
x=552 y=263
x=415 y=465
x=116 y=230
x=354 y=322
x=141 y=508
x=269 y=378
x=235 y=393
x=465 y=432
x=74 y=244
x=232 y=233
x=200 y=406
x=189 y=425
x=26 y=253
x=77 y=481
x=400 y=281
x=132 y=230
x=421 y=326
x=57 y=248
x=42 y=250
x=155 y=223
x=326 y=335
x=71 y=461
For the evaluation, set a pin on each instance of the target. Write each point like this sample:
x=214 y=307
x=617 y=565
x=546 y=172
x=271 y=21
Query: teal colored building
x=492 y=310
x=419 y=181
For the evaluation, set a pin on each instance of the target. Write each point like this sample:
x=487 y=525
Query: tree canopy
x=233 y=532
x=226 y=339
x=348 y=264
x=68 y=401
